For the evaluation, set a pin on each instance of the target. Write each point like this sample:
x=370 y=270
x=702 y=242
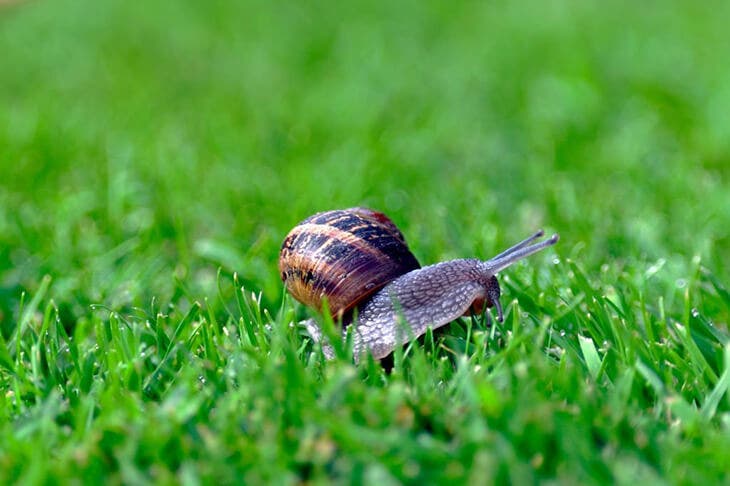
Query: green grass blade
x=28 y=312
x=709 y=408
x=6 y=361
x=590 y=355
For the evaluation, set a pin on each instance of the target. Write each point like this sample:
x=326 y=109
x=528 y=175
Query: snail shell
x=344 y=256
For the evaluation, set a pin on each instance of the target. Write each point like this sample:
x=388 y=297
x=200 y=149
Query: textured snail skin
x=428 y=297
x=402 y=311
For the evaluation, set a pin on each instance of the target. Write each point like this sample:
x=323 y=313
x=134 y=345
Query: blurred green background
x=145 y=145
x=138 y=141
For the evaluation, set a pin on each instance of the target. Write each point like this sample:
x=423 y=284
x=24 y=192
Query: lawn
x=153 y=155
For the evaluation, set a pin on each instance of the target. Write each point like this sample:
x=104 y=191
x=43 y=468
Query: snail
x=358 y=260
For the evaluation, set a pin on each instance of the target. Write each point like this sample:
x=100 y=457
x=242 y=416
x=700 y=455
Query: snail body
x=358 y=259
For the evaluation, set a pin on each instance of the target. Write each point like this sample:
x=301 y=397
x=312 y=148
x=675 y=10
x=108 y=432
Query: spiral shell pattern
x=344 y=256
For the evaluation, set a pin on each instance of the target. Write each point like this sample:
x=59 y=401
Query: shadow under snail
x=358 y=260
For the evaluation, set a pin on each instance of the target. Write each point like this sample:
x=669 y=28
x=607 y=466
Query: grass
x=154 y=157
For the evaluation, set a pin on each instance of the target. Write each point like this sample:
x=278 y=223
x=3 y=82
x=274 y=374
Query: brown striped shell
x=344 y=255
